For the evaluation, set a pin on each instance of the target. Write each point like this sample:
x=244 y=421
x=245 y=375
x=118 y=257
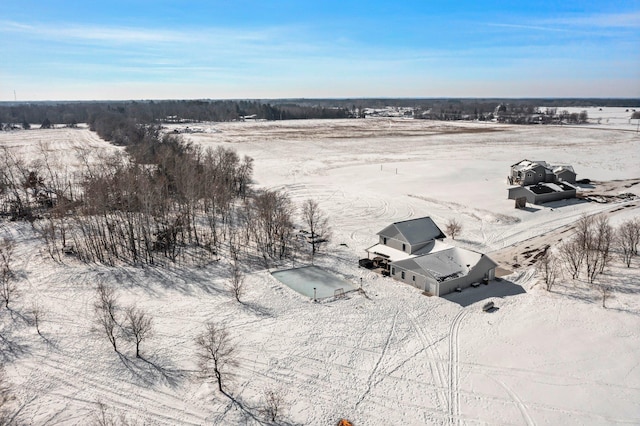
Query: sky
x=220 y=49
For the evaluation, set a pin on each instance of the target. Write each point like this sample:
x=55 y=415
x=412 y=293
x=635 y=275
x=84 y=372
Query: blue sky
x=83 y=50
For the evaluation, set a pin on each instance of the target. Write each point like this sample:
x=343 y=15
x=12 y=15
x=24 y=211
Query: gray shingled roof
x=413 y=231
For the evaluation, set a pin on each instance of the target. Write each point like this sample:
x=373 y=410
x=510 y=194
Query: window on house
x=404 y=247
x=393 y=271
x=384 y=241
x=413 y=278
x=403 y=275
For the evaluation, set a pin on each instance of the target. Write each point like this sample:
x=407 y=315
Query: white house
x=413 y=252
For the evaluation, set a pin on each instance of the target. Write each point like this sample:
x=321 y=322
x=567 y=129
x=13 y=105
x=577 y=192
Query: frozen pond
x=304 y=280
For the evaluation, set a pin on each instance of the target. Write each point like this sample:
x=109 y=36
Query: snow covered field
x=393 y=356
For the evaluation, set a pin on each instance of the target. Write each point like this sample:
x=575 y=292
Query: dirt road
x=525 y=253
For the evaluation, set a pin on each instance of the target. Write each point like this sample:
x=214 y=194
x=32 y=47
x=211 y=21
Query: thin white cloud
x=528 y=27
x=71 y=33
x=124 y=35
x=606 y=20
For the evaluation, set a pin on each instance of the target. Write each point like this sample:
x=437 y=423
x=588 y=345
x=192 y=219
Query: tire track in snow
x=454 y=379
x=436 y=371
x=516 y=400
x=155 y=404
x=382 y=355
x=533 y=374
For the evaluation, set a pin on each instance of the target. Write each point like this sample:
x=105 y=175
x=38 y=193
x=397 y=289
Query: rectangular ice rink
x=305 y=279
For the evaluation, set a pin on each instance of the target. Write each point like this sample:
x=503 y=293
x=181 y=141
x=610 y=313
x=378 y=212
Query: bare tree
x=38 y=313
x=605 y=235
x=636 y=234
x=274 y=404
x=584 y=228
x=453 y=228
x=548 y=267
x=106 y=307
x=216 y=353
x=8 y=287
x=627 y=237
x=605 y=291
x=317 y=223
x=139 y=326
x=237 y=281
x=571 y=255
x=596 y=238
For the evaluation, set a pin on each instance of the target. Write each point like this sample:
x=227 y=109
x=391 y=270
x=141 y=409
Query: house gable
x=412 y=232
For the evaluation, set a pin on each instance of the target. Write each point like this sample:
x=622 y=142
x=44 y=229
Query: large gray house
x=412 y=251
x=538 y=182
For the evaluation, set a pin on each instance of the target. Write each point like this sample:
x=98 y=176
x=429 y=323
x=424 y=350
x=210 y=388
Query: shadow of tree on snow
x=153 y=369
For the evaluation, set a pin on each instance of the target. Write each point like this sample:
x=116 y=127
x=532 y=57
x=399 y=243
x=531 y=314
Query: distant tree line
x=46 y=114
x=516 y=111
x=147 y=112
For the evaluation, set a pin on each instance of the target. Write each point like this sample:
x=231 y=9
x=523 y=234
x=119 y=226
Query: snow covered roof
x=443 y=265
x=413 y=231
x=432 y=247
x=558 y=169
x=528 y=165
x=395 y=255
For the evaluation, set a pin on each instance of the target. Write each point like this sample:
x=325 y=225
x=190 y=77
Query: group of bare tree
x=134 y=323
x=590 y=251
x=628 y=240
x=183 y=204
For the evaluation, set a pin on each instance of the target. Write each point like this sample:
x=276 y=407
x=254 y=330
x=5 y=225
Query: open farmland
x=390 y=355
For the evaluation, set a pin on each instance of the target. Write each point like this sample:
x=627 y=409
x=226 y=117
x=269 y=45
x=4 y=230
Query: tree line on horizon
x=46 y=114
x=148 y=112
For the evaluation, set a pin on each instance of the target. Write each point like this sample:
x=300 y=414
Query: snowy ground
x=390 y=356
